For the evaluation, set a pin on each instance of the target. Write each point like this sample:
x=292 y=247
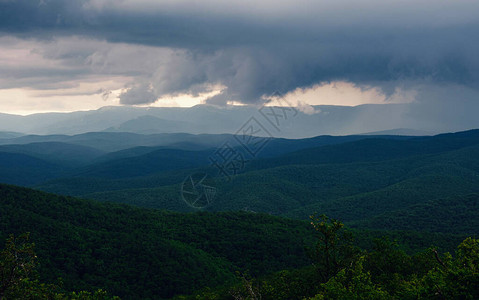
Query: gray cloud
x=253 y=49
x=139 y=94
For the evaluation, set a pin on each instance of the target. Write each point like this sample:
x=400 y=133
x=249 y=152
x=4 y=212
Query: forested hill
x=421 y=191
x=355 y=182
x=140 y=253
x=379 y=148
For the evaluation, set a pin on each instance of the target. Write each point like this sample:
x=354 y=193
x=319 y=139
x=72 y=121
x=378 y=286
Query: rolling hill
x=138 y=253
x=447 y=215
x=418 y=190
x=352 y=178
x=142 y=165
x=56 y=152
x=22 y=169
x=373 y=149
x=354 y=186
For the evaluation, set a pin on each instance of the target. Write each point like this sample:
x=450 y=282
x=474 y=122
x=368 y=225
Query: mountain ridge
x=327 y=119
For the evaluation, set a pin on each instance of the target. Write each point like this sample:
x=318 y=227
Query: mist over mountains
x=200 y=119
x=131 y=210
x=274 y=150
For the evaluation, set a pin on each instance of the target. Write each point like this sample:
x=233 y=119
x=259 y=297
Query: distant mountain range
x=422 y=190
x=31 y=159
x=375 y=174
x=400 y=131
x=205 y=119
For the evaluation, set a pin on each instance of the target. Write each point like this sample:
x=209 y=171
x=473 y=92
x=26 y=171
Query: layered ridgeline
x=354 y=180
x=33 y=159
x=288 y=177
x=323 y=119
x=421 y=191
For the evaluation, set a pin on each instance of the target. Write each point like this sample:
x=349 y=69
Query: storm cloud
x=250 y=50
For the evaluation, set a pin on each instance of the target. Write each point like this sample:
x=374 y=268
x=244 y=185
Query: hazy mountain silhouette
x=326 y=119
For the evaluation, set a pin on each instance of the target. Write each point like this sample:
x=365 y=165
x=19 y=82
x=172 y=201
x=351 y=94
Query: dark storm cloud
x=24 y=16
x=138 y=95
x=256 y=49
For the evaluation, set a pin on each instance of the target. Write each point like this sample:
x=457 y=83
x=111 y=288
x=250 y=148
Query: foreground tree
x=453 y=278
x=19 y=279
x=334 y=249
x=342 y=271
x=352 y=283
x=17 y=263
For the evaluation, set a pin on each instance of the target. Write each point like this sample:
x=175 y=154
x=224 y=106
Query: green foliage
x=334 y=249
x=385 y=272
x=19 y=279
x=139 y=253
x=450 y=215
x=416 y=185
x=17 y=262
x=247 y=290
x=339 y=271
x=418 y=191
x=455 y=278
x=388 y=273
x=351 y=283
x=291 y=284
x=386 y=262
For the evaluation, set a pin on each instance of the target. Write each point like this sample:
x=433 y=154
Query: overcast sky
x=74 y=55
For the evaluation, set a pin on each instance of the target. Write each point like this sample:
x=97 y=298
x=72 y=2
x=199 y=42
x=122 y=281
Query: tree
x=388 y=264
x=455 y=278
x=248 y=289
x=17 y=263
x=334 y=249
x=19 y=279
x=351 y=283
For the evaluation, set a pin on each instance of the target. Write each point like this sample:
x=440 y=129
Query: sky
x=78 y=55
